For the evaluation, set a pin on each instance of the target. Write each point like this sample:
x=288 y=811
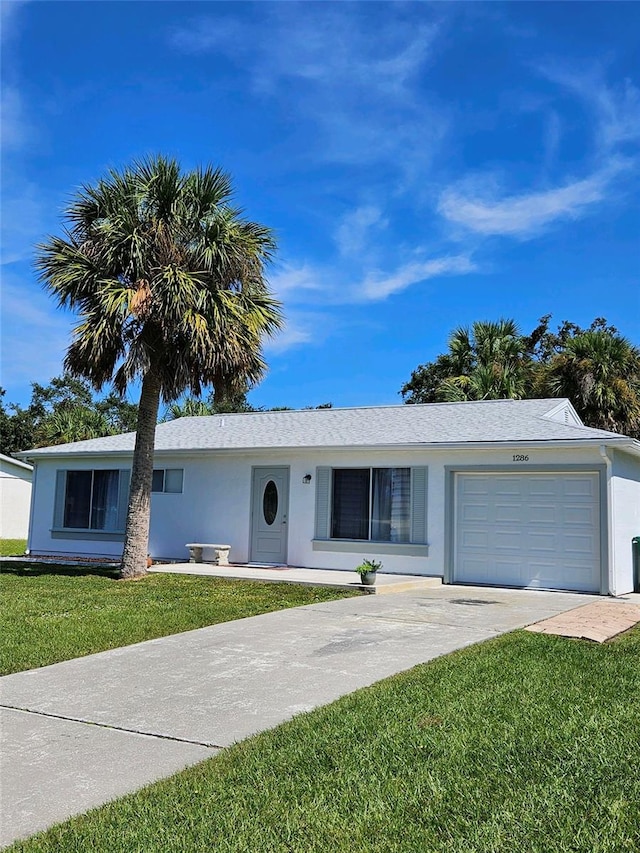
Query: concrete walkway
x=385 y=581
x=80 y=733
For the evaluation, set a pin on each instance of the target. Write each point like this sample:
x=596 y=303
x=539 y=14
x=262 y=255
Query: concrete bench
x=221 y=552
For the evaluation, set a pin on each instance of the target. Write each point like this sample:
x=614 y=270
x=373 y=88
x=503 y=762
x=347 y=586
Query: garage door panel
x=528 y=530
x=479 y=569
x=580 y=515
x=579 y=546
x=539 y=487
x=505 y=487
x=507 y=512
x=536 y=543
x=476 y=512
x=579 y=488
x=475 y=539
x=541 y=514
x=478 y=486
x=504 y=570
x=507 y=539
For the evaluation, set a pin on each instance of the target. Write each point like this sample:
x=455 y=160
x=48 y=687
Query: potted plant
x=367 y=571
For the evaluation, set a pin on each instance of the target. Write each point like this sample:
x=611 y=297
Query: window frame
x=370 y=518
x=164 y=490
x=417 y=545
x=58 y=528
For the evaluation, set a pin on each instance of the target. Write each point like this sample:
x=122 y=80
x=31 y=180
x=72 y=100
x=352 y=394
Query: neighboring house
x=501 y=492
x=15 y=497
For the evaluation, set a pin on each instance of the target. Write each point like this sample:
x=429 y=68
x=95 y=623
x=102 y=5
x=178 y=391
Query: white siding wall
x=215 y=504
x=15 y=500
x=625 y=485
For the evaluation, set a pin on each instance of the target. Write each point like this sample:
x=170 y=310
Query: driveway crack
x=154 y=735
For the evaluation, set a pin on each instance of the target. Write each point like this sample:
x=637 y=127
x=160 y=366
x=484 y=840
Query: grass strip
x=12 y=547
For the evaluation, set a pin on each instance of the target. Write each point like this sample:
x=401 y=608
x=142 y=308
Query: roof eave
x=621 y=442
x=12 y=461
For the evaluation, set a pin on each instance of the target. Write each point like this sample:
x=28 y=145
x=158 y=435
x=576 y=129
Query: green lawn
x=524 y=744
x=54 y=613
x=12 y=547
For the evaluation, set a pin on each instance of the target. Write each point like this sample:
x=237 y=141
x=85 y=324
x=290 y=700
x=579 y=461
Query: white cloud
x=526 y=214
x=25 y=210
x=14 y=129
x=479 y=206
x=378 y=286
x=616 y=109
x=315 y=44
x=357 y=86
x=8 y=16
x=354 y=232
x=552 y=138
x=303 y=327
x=291 y=282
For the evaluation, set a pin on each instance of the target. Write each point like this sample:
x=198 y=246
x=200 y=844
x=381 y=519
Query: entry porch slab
x=385 y=583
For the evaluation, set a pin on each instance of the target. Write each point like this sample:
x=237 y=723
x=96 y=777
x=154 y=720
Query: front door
x=270 y=505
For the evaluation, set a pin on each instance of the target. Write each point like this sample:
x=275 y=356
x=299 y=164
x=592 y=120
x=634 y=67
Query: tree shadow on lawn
x=33 y=569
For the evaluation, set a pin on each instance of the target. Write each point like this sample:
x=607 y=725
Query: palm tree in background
x=488 y=362
x=168 y=280
x=72 y=423
x=600 y=373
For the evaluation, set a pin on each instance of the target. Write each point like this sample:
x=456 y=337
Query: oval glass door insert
x=270 y=502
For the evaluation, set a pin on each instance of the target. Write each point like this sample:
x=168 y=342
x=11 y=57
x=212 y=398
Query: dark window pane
x=157 y=484
x=104 y=506
x=350 y=517
x=270 y=502
x=77 y=501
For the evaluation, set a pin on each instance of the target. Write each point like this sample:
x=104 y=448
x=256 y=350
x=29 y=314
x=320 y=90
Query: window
x=168 y=480
x=91 y=500
x=371 y=504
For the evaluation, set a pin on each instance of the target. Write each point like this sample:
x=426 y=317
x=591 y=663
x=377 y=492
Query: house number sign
x=520 y=457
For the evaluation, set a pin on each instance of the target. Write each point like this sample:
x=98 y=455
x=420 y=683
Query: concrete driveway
x=80 y=733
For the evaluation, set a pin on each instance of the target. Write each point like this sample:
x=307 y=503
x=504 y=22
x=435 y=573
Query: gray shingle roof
x=430 y=424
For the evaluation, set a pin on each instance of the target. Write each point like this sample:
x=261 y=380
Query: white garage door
x=528 y=530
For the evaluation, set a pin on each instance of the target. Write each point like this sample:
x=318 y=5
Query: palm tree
x=72 y=423
x=489 y=362
x=600 y=373
x=169 y=282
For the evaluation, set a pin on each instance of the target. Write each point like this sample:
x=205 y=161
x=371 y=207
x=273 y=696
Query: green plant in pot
x=367 y=571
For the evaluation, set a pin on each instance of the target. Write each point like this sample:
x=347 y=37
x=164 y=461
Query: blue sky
x=424 y=166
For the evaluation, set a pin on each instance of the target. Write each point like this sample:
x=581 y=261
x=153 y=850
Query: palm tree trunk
x=136 y=537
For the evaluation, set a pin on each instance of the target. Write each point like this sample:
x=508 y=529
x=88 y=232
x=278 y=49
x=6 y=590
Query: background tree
x=489 y=361
x=121 y=415
x=597 y=369
x=72 y=423
x=543 y=343
x=17 y=427
x=169 y=283
x=64 y=410
x=600 y=373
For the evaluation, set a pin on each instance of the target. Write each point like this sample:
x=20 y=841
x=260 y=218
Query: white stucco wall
x=15 y=500
x=625 y=486
x=215 y=505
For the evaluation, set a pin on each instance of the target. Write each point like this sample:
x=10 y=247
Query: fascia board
x=631 y=445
